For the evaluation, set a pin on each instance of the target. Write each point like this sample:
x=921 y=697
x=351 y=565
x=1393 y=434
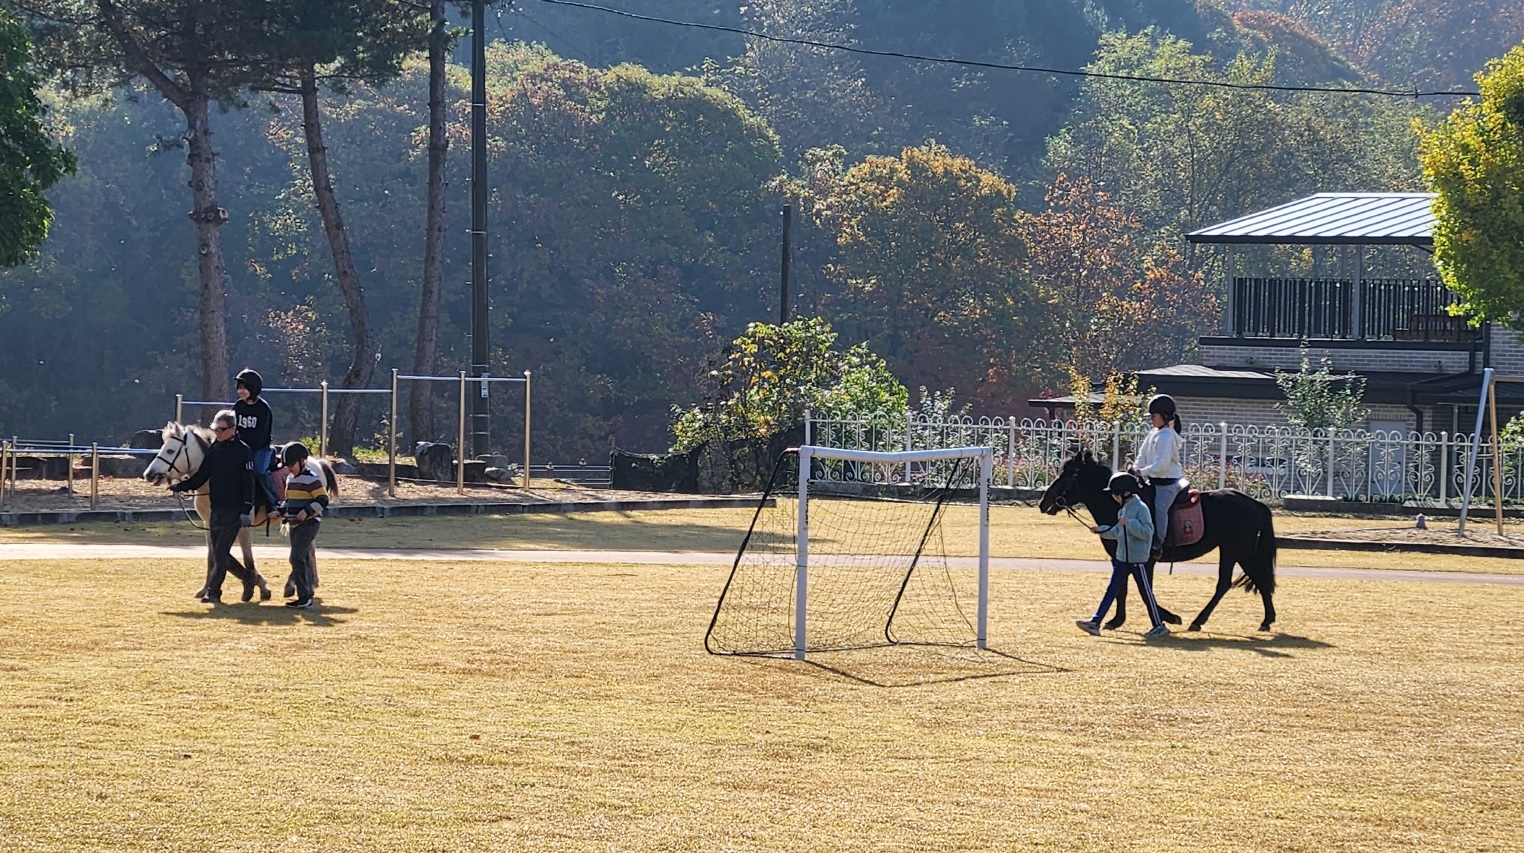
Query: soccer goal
x=853 y=549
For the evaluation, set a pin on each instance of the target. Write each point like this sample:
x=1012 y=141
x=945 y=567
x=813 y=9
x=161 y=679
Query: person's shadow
x=267 y=614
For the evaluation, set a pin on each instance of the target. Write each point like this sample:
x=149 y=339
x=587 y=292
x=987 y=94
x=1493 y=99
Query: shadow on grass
x=268 y=614
x=914 y=666
x=1268 y=645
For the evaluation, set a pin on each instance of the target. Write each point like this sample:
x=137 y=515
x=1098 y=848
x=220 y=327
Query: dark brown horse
x=1237 y=526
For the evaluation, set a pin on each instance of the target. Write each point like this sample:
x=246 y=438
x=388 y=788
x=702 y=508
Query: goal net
x=853 y=549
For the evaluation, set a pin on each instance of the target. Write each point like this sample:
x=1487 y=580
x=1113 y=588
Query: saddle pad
x=1185 y=525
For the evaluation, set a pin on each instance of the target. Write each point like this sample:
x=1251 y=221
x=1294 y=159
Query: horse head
x=178 y=457
x=1080 y=475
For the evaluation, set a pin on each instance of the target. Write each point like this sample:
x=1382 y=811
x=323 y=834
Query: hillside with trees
x=984 y=227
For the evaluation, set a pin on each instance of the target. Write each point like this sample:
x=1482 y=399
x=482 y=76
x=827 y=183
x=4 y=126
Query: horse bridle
x=171 y=465
x=1061 y=500
x=186 y=438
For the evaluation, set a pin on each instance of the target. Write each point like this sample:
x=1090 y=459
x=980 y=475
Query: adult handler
x=228 y=474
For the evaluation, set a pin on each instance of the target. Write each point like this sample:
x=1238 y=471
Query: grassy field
x=1016 y=531
x=431 y=706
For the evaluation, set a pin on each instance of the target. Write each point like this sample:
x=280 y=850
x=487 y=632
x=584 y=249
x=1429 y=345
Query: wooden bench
x=1435 y=327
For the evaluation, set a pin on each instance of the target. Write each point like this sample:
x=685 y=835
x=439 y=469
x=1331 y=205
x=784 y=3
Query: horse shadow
x=320 y=615
x=1277 y=645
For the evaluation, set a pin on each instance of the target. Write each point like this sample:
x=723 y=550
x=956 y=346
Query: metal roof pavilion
x=1366 y=219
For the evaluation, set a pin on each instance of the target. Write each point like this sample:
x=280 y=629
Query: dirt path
x=277 y=556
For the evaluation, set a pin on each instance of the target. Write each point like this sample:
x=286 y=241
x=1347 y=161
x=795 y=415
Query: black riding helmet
x=250 y=379
x=1161 y=404
x=1123 y=484
x=294 y=453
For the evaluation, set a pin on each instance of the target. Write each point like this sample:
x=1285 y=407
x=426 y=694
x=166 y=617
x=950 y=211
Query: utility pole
x=788 y=238
x=479 y=423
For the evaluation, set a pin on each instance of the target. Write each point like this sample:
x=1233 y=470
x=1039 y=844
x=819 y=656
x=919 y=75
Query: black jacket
x=228 y=468
x=255 y=422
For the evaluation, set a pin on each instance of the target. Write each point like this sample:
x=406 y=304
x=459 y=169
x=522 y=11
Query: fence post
x=323 y=423
x=5 y=458
x=179 y=408
x=460 y=449
x=1010 y=453
x=1330 y=462
x=528 y=402
x=909 y=437
x=69 y=465
x=807 y=426
x=1444 y=466
x=1116 y=446
x=95 y=472
x=1222 y=456
x=391 y=467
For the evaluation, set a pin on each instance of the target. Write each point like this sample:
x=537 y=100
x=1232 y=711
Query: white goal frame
x=986 y=457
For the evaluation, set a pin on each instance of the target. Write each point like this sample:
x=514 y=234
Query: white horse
x=181 y=455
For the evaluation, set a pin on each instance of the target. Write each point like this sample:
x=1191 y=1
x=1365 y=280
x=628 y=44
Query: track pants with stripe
x=1119 y=574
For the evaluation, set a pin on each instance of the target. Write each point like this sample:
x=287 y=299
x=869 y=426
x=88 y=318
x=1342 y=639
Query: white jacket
x=1159 y=455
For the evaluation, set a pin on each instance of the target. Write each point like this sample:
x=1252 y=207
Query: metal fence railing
x=1266 y=462
x=15 y=449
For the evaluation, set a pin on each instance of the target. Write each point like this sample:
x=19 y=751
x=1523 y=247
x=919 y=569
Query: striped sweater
x=304 y=489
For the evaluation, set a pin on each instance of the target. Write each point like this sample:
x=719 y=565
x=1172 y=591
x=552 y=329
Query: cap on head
x=1161 y=404
x=294 y=453
x=1123 y=484
x=250 y=379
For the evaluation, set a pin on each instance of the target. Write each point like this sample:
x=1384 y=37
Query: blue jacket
x=1134 y=540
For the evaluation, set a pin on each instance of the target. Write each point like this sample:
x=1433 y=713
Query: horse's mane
x=173 y=429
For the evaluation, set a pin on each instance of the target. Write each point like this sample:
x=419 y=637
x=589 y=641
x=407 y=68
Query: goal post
x=851 y=549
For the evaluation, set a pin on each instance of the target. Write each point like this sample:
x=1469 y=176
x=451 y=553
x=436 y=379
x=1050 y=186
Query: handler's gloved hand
x=245 y=521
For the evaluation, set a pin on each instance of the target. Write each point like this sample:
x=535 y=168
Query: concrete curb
x=1291 y=542
x=43 y=517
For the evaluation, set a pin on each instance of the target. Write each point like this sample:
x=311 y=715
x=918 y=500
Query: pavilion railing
x=1329 y=308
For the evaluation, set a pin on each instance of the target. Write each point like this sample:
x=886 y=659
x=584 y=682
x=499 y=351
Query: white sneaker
x=1156 y=632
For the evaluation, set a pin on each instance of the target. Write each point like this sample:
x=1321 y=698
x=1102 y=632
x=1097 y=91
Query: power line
x=974 y=63
x=523 y=13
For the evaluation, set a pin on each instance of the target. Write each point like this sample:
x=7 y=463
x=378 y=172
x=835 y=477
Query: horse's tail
x=1260 y=573
x=330 y=478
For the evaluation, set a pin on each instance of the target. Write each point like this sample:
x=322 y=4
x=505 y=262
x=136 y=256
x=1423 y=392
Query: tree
x=337 y=44
x=1474 y=163
x=1180 y=157
x=30 y=162
x=1317 y=399
x=772 y=374
x=426 y=341
x=193 y=53
x=928 y=269
x=1439 y=44
x=812 y=96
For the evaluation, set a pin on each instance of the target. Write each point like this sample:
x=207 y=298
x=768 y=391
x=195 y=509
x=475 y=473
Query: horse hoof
x=264 y=592
x=200 y=594
x=1115 y=624
x=1195 y=626
x=1170 y=618
x=1264 y=626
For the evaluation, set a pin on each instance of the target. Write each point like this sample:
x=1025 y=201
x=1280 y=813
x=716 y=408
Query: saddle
x=1185 y=523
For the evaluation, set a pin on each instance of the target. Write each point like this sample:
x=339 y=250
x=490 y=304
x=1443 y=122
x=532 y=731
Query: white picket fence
x=1266 y=462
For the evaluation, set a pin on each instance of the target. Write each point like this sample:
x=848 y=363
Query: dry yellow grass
x=1016 y=531
x=428 y=706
